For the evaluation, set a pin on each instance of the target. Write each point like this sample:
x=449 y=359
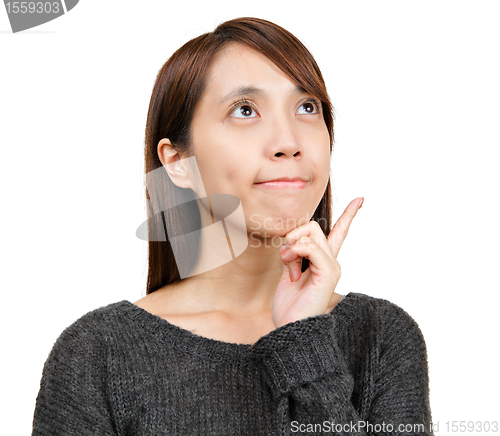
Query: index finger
x=341 y=227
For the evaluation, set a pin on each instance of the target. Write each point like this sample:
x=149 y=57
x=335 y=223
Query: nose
x=284 y=140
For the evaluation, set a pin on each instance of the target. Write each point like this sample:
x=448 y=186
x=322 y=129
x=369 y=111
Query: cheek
x=318 y=141
x=322 y=160
x=225 y=174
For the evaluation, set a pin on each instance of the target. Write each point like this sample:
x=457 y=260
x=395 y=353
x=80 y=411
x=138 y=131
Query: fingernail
x=361 y=203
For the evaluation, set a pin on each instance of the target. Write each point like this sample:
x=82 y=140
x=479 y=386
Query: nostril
x=279 y=153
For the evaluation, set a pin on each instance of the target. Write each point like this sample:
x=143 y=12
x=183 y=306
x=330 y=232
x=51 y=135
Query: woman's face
x=278 y=132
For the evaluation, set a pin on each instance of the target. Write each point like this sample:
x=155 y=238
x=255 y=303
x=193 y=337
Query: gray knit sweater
x=120 y=370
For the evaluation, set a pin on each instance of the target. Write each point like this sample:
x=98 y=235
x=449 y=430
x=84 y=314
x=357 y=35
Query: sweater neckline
x=187 y=341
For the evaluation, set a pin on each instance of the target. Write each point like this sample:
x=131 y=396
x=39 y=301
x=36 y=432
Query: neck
x=245 y=284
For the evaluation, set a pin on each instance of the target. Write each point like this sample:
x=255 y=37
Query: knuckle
x=317 y=233
x=304 y=240
x=315 y=223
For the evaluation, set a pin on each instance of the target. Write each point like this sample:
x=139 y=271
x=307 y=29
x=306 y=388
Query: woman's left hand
x=311 y=293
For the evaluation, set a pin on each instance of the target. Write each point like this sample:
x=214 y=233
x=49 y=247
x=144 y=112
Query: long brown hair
x=178 y=87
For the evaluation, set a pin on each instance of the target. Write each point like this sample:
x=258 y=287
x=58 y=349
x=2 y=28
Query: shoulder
x=366 y=305
x=91 y=330
x=74 y=387
x=98 y=318
x=377 y=316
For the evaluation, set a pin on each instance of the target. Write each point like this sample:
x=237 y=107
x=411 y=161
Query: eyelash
x=244 y=101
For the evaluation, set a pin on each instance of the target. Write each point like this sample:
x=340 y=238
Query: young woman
x=231 y=338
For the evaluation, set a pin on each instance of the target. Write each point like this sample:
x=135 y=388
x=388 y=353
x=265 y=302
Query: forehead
x=237 y=64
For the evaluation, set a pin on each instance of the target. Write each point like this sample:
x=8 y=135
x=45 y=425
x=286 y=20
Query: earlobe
x=173 y=164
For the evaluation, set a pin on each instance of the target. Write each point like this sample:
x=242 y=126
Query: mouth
x=284 y=183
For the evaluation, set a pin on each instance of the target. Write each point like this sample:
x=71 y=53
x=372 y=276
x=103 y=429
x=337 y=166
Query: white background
x=415 y=86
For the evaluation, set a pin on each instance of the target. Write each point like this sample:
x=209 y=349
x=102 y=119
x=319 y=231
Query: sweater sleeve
x=72 y=399
x=312 y=386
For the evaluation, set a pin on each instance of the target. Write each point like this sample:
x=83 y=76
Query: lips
x=285 y=179
x=284 y=183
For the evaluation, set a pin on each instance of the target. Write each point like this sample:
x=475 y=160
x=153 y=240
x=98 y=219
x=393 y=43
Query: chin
x=283 y=224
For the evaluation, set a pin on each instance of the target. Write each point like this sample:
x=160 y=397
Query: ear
x=173 y=164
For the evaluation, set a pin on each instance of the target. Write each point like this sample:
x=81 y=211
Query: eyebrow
x=252 y=90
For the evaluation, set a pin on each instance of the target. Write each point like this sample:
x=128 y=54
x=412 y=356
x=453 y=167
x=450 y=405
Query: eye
x=242 y=109
x=311 y=107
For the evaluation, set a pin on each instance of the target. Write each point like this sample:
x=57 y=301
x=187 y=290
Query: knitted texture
x=120 y=370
